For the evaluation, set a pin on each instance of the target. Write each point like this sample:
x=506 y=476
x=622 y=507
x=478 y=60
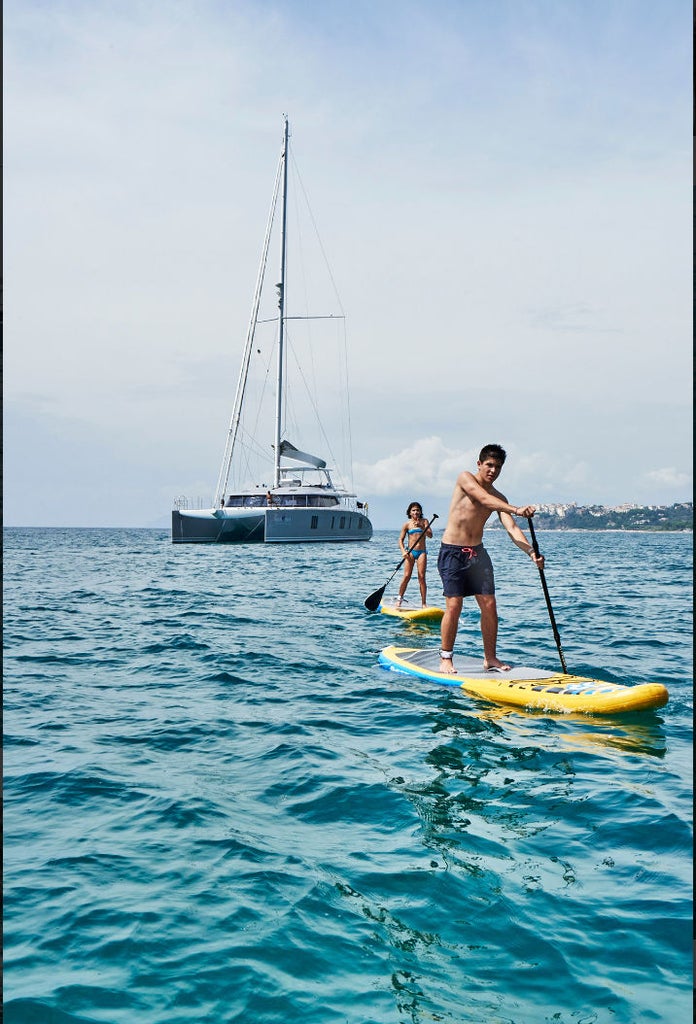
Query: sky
x=504 y=189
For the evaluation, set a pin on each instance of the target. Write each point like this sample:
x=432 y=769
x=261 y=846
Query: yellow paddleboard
x=429 y=614
x=528 y=687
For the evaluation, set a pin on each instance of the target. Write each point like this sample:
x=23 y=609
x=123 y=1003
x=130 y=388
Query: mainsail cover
x=291 y=452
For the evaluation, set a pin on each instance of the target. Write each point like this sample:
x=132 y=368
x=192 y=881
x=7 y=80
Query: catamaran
x=298 y=503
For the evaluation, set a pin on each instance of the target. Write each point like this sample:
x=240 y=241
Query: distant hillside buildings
x=679 y=517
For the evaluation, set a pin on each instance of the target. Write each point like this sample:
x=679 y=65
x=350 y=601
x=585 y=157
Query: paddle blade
x=374 y=600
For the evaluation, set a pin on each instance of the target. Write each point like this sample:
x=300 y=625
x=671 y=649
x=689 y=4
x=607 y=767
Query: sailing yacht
x=299 y=502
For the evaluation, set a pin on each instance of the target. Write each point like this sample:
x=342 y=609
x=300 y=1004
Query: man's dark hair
x=492 y=451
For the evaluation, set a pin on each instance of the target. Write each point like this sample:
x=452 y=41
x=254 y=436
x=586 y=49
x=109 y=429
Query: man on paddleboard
x=464 y=564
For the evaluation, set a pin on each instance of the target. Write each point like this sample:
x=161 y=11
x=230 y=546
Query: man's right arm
x=495 y=503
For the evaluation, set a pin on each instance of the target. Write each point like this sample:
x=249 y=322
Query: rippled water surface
x=219 y=808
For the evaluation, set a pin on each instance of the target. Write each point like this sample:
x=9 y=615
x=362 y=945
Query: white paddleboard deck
x=428 y=659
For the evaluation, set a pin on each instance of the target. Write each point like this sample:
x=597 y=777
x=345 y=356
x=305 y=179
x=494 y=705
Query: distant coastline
x=678 y=518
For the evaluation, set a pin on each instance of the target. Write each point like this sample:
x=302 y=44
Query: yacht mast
x=281 y=314
x=223 y=477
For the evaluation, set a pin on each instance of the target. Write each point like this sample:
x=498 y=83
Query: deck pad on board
x=525 y=686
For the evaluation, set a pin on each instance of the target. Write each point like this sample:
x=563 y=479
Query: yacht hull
x=269 y=526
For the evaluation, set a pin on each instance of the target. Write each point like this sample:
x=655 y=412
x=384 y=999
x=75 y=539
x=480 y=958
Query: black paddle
x=548 y=599
x=373 y=601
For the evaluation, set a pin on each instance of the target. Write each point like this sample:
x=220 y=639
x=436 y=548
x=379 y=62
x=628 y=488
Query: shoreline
x=382 y=529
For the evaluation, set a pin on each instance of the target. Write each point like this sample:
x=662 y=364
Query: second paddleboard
x=428 y=614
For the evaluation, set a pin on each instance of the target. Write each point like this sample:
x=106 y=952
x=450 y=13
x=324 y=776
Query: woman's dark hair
x=414 y=504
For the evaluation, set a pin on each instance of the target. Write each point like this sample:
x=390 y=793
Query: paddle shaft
x=546 y=595
x=374 y=599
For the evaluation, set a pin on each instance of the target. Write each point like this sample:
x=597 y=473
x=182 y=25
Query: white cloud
x=426 y=465
x=668 y=476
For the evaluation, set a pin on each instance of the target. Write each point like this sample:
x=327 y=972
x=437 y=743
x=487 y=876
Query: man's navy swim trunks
x=465 y=571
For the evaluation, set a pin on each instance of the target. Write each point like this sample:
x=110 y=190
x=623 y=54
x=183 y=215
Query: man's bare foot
x=495 y=664
x=446 y=667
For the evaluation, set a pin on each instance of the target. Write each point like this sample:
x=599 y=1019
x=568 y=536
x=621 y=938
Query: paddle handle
x=554 y=627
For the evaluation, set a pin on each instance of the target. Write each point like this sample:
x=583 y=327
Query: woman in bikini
x=413 y=528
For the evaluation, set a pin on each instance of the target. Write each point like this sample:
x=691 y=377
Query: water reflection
x=638 y=733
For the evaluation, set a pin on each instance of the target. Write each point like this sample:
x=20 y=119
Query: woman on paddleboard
x=412 y=544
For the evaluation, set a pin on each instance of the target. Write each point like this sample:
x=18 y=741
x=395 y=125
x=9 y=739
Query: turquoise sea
x=219 y=808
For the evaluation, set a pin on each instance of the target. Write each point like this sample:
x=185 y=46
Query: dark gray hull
x=208 y=529
x=270 y=526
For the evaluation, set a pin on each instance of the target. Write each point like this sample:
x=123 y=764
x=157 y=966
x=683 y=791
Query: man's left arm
x=517 y=537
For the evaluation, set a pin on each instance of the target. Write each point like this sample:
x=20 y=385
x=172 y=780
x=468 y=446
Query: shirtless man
x=464 y=564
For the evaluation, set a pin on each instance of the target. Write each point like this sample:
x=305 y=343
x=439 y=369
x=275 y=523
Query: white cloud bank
x=429 y=467
x=426 y=465
x=669 y=476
